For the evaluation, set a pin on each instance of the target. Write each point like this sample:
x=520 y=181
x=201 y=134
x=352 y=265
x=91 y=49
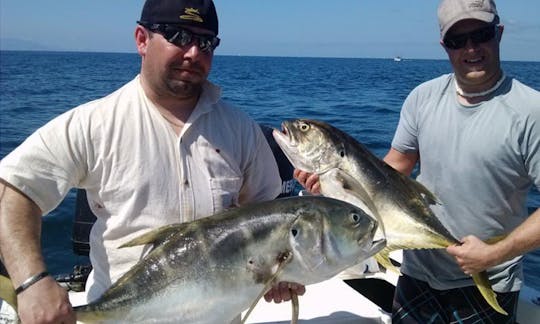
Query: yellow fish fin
x=7 y=292
x=495 y=239
x=383 y=258
x=482 y=283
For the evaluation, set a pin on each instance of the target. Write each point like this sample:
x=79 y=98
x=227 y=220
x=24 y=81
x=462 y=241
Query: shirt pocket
x=225 y=192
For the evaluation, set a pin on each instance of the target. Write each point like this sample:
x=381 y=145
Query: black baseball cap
x=195 y=13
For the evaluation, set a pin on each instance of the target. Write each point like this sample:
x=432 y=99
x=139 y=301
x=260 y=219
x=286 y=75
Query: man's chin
x=185 y=88
x=475 y=75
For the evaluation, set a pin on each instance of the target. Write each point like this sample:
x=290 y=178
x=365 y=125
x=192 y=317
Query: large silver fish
x=349 y=171
x=212 y=269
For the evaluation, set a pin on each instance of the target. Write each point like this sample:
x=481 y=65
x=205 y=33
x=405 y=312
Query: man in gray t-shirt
x=476 y=136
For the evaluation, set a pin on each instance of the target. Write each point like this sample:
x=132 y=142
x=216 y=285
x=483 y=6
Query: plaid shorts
x=416 y=302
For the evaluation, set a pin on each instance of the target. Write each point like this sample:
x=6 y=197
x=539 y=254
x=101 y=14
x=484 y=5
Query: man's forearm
x=20 y=232
x=522 y=239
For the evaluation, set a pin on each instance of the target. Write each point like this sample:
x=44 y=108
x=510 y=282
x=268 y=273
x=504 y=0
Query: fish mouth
x=372 y=230
x=286 y=140
x=377 y=246
x=290 y=143
x=285 y=134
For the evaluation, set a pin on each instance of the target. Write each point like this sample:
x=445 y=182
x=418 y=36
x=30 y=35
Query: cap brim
x=483 y=16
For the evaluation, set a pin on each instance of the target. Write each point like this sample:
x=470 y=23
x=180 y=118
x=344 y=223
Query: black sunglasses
x=478 y=36
x=182 y=37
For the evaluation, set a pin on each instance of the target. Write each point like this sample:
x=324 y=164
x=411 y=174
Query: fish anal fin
x=482 y=283
x=7 y=292
x=155 y=236
x=383 y=258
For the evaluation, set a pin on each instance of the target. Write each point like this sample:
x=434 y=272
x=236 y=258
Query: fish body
x=211 y=269
x=349 y=171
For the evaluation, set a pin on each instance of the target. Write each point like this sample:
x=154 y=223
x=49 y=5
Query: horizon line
x=403 y=58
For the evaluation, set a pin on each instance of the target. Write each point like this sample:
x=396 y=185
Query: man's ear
x=500 y=30
x=443 y=46
x=141 y=39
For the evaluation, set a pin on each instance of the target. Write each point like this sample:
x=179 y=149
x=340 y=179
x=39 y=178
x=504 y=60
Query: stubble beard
x=183 y=89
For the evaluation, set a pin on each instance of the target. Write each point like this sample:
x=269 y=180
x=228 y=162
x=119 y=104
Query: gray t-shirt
x=480 y=162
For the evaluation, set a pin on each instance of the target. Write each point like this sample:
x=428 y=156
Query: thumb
x=455 y=248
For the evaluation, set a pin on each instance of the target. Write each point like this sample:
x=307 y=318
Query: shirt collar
x=210 y=95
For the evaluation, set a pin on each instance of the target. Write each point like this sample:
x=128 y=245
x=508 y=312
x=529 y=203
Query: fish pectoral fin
x=156 y=236
x=482 y=283
x=283 y=259
x=7 y=292
x=383 y=258
x=295 y=307
x=349 y=184
x=338 y=184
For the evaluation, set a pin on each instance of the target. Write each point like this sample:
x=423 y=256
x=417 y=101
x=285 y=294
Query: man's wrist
x=30 y=281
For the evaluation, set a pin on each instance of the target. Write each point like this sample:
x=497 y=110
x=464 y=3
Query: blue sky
x=339 y=28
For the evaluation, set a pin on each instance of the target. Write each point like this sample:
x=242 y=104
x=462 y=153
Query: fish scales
x=389 y=190
x=349 y=171
x=210 y=270
x=211 y=254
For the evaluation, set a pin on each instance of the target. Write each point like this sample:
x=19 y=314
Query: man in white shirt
x=164 y=148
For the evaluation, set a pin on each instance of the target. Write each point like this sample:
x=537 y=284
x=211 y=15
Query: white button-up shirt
x=138 y=173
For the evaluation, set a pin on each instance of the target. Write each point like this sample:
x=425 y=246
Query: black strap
x=30 y=281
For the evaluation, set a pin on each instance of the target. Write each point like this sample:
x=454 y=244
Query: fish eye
x=355 y=217
x=304 y=127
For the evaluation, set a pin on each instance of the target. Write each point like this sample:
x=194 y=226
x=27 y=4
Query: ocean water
x=361 y=96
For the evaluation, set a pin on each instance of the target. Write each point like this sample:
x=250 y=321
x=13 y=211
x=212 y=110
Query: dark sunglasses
x=182 y=37
x=478 y=36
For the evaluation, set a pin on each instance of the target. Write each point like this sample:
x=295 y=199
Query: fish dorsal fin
x=156 y=236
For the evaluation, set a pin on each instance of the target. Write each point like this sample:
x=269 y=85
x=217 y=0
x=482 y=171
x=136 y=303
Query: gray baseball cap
x=452 y=11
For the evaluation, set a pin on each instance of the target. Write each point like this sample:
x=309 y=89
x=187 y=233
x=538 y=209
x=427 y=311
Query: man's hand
x=45 y=302
x=282 y=292
x=310 y=181
x=473 y=255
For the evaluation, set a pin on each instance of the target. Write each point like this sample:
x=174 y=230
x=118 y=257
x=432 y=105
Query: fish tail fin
x=7 y=292
x=482 y=283
x=383 y=258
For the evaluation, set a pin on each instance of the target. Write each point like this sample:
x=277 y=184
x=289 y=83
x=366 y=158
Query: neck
x=493 y=86
x=175 y=111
